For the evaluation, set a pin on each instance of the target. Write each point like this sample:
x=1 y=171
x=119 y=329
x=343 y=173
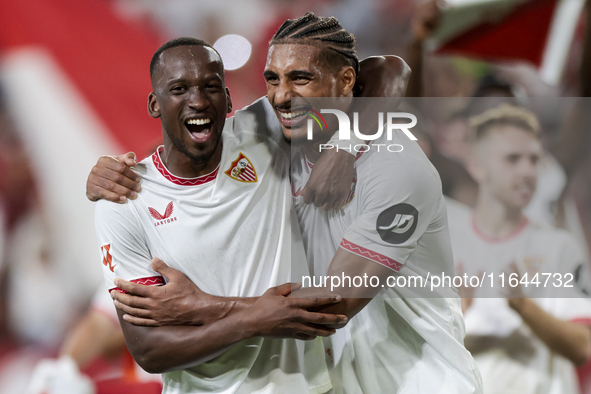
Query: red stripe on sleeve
x=371 y=255
x=151 y=281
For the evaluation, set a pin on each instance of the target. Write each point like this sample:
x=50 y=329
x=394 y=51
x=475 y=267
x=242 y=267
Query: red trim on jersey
x=151 y=281
x=582 y=320
x=200 y=180
x=358 y=155
x=371 y=255
x=489 y=239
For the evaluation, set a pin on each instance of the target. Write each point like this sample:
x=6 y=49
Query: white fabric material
x=396 y=344
x=510 y=357
x=231 y=238
x=59 y=376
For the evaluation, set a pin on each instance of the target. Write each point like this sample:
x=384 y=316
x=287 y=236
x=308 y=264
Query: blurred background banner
x=538 y=31
x=102 y=55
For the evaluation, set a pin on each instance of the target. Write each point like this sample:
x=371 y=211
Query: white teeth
x=198 y=121
x=290 y=115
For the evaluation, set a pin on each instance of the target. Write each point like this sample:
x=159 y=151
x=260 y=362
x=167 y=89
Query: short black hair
x=177 y=42
x=490 y=92
x=492 y=85
x=337 y=44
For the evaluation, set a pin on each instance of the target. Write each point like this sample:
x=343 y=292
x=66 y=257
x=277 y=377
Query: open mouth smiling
x=199 y=129
x=291 y=118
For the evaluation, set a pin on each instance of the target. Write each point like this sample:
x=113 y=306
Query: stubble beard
x=202 y=159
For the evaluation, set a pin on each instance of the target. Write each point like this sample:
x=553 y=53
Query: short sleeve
x=399 y=202
x=576 y=310
x=123 y=248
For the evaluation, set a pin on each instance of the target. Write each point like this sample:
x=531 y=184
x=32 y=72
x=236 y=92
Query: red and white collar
x=505 y=238
x=200 y=180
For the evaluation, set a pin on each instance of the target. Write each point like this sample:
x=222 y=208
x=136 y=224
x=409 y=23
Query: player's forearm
x=168 y=348
x=273 y=315
x=355 y=298
x=570 y=340
x=230 y=305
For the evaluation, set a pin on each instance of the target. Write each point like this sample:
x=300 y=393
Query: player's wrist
x=247 y=324
x=217 y=308
x=347 y=145
x=519 y=305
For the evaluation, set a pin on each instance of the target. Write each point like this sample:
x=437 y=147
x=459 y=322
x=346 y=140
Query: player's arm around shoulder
x=113 y=179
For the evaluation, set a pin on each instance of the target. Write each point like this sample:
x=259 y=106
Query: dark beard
x=201 y=160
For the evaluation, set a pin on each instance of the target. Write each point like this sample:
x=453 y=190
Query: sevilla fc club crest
x=242 y=170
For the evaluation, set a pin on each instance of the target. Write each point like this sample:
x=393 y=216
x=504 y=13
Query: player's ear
x=474 y=165
x=153 y=106
x=229 y=109
x=346 y=79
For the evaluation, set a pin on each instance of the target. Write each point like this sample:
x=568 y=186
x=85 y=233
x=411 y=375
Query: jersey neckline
x=200 y=180
x=502 y=239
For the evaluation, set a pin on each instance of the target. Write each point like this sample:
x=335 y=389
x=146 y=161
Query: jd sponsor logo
x=397 y=224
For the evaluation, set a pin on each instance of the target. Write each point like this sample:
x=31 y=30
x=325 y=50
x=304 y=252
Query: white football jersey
x=230 y=232
x=396 y=216
x=510 y=357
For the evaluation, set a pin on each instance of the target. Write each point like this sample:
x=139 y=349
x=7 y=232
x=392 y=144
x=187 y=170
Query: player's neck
x=183 y=166
x=494 y=219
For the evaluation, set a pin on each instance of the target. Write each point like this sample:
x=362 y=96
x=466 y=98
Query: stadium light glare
x=234 y=49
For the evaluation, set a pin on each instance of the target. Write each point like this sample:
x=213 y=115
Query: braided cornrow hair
x=322 y=32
